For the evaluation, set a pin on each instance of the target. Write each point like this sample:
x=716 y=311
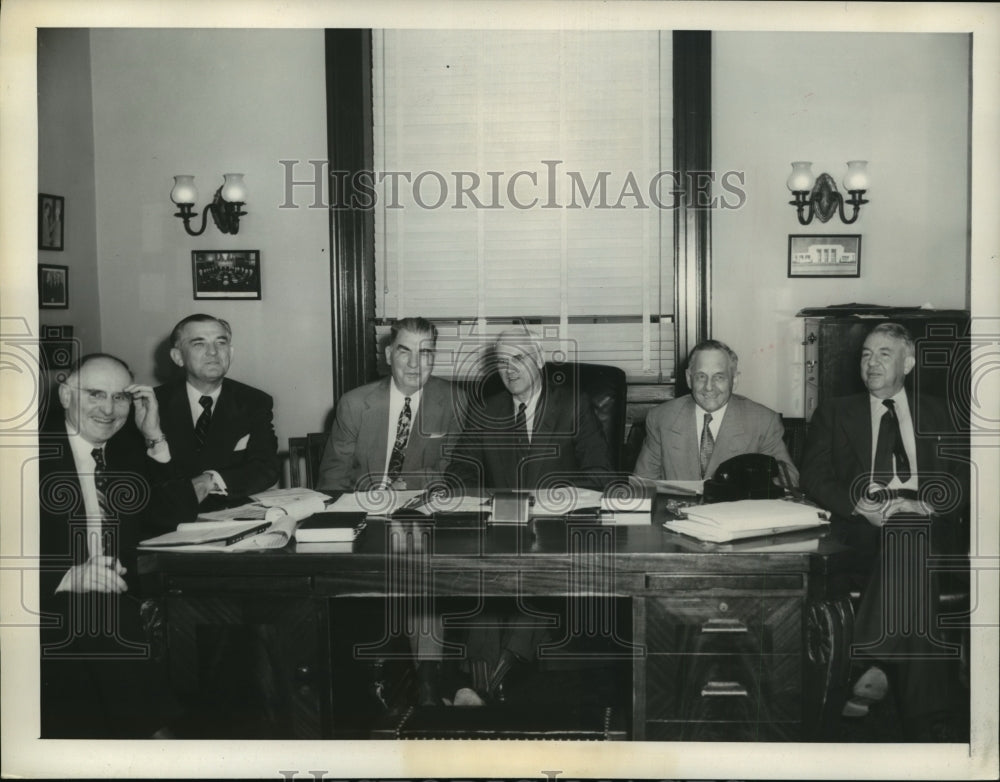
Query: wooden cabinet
x=832 y=352
x=723 y=664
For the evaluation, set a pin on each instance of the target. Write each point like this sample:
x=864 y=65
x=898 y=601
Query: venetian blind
x=520 y=174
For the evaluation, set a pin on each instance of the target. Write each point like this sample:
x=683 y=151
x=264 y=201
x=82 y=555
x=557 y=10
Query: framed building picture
x=53 y=287
x=51 y=217
x=824 y=255
x=229 y=274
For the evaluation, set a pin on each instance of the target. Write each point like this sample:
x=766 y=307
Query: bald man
x=100 y=492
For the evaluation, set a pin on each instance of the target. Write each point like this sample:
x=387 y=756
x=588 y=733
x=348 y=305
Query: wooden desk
x=719 y=632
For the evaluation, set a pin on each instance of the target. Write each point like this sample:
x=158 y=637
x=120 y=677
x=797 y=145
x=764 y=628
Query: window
x=525 y=175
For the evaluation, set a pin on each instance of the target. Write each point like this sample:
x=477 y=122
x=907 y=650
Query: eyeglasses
x=98 y=397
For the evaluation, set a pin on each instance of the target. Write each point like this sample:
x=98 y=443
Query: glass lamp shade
x=233 y=189
x=801 y=177
x=856 y=177
x=184 y=191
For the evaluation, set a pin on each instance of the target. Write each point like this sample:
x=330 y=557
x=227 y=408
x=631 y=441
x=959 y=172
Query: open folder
x=722 y=522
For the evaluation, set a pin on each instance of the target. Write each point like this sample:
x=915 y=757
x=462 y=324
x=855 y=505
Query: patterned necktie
x=889 y=445
x=707 y=444
x=399 y=447
x=521 y=426
x=101 y=481
x=204 y=420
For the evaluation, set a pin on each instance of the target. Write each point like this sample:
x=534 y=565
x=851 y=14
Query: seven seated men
x=413 y=431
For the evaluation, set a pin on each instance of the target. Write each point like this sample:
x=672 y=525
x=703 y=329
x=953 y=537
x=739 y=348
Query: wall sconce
x=226 y=207
x=820 y=194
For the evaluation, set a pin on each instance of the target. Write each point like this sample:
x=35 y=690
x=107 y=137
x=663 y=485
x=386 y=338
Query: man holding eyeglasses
x=100 y=492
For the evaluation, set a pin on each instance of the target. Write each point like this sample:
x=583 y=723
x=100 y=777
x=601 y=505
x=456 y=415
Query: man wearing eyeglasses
x=100 y=492
x=535 y=433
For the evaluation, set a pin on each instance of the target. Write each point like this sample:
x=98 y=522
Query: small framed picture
x=53 y=287
x=50 y=222
x=230 y=274
x=824 y=255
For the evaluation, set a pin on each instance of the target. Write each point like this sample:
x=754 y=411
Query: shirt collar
x=396 y=396
x=81 y=449
x=899 y=399
x=717 y=416
x=194 y=396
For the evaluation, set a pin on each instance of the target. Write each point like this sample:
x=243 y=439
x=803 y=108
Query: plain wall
x=66 y=168
x=208 y=102
x=899 y=101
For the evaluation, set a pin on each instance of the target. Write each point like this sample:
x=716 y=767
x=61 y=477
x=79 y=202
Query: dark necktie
x=399 y=447
x=521 y=426
x=707 y=444
x=101 y=481
x=889 y=445
x=204 y=420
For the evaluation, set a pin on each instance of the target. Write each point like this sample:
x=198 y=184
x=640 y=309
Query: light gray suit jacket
x=355 y=454
x=671 y=451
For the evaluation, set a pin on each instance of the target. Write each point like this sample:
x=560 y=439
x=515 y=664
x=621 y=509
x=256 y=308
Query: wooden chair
x=304 y=456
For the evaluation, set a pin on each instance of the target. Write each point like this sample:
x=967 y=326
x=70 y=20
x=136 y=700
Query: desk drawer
x=723 y=625
x=709 y=688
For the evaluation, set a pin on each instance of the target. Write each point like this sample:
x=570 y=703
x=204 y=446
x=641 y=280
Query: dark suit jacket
x=838 y=454
x=242 y=411
x=356 y=451
x=567 y=445
x=671 y=452
x=98 y=685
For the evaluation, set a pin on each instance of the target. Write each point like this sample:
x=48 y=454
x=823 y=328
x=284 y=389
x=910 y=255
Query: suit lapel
x=682 y=442
x=372 y=437
x=858 y=428
x=179 y=412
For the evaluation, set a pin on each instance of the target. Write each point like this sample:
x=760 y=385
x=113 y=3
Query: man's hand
x=97 y=574
x=203 y=485
x=147 y=411
x=876 y=512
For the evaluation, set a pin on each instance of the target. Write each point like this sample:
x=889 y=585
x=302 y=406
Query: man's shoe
x=870 y=688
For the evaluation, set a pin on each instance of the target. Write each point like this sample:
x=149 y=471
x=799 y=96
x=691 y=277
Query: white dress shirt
x=529 y=410
x=714 y=425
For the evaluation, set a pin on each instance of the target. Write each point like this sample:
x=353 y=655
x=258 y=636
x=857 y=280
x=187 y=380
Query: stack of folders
x=722 y=522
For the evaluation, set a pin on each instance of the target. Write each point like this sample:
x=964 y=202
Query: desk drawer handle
x=724 y=689
x=724 y=626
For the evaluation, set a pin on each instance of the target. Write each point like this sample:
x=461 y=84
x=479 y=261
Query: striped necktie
x=101 y=483
x=707 y=444
x=204 y=420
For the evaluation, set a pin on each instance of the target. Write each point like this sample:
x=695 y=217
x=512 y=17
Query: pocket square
x=435 y=435
x=241 y=444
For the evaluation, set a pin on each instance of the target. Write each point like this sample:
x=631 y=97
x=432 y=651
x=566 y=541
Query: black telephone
x=749 y=476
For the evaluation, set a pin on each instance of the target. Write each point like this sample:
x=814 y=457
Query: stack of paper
x=724 y=521
x=232 y=535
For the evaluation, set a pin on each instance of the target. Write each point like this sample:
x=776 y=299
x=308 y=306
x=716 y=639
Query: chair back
x=605 y=386
x=304 y=456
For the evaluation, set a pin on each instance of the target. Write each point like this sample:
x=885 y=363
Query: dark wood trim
x=692 y=79
x=350 y=149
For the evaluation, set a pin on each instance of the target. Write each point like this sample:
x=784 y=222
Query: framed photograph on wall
x=226 y=274
x=51 y=217
x=824 y=255
x=53 y=287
